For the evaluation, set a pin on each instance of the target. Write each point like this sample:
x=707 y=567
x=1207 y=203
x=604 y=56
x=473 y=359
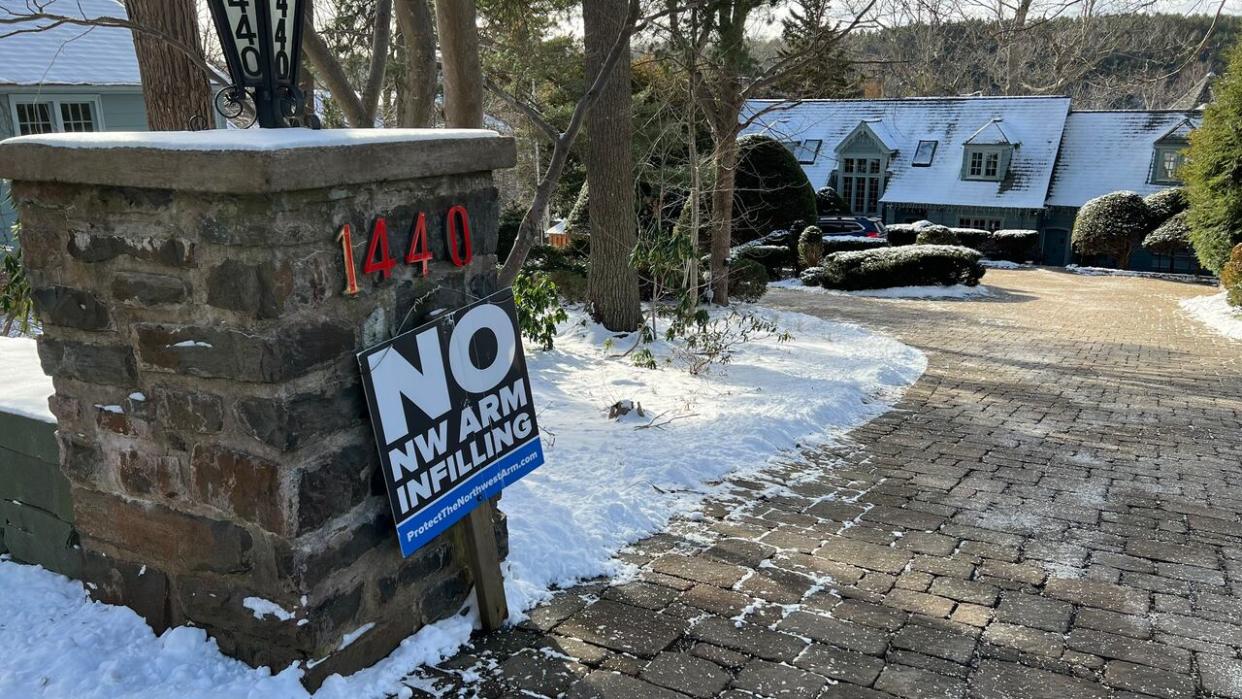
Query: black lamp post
x=262 y=42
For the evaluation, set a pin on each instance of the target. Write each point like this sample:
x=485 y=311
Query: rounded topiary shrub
x=1111 y=224
x=1231 y=276
x=1170 y=237
x=747 y=280
x=1166 y=204
x=917 y=265
x=936 y=235
x=770 y=191
x=848 y=243
x=902 y=234
x=829 y=203
x=1014 y=245
x=972 y=237
x=812 y=276
x=810 y=247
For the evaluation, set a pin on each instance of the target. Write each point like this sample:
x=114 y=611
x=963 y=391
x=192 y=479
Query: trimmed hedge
x=1231 y=276
x=770 y=189
x=1211 y=171
x=748 y=281
x=1111 y=225
x=936 y=235
x=1170 y=237
x=771 y=257
x=902 y=234
x=905 y=266
x=849 y=243
x=972 y=237
x=1166 y=204
x=1013 y=244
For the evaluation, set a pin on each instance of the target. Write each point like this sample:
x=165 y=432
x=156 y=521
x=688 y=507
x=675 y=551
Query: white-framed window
x=984 y=224
x=985 y=163
x=36 y=114
x=861 y=184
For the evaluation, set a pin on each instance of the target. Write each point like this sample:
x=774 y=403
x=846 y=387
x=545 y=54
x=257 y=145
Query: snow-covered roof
x=1104 y=152
x=36 y=53
x=1033 y=123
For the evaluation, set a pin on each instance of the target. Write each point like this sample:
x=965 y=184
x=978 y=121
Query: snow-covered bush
x=1111 y=224
x=1012 y=244
x=773 y=258
x=1170 y=237
x=902 y=234
x=1166 y=204
x=829 y=203
x=972 y=237
x=1231 y=276
x=748 y=280
x=847 y=243
x=810 y=247
x=936 y=235
x=918 y=265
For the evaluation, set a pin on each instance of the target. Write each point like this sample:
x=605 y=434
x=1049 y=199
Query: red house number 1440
x=380 y=261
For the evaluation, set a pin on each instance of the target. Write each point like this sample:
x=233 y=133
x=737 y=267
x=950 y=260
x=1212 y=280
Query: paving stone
x=686 y=673
x=1202 y=629
x=864 y=555
x=836 y=632
x=941 y=644
x=747 y=638
x=1147 y=680
x=901 y=517
x=1098 y=594
x=715 y=600
x=1025 y=639
x=623 y=628
x=965 y=591
x=1112 y=622
x=839 y=664
x=869 y=614
x=1035 y=611
x=698 y=569
x=1173 y=552
x=602 y=684
x=723 y=657
x=997 y=679
x=972 y=615
x=919 y=602
x=843 y=690
x=1132 y=650
x=531 y=671
x=927 y=542
x=1221 y=676
x=642 y=594
x=740 y=552
x=913 y=683
x=778 y=681
x=776 y=585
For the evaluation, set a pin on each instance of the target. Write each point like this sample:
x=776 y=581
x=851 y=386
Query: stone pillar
x=210 y=415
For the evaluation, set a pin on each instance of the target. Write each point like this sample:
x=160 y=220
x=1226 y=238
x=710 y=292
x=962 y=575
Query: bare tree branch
x=379 y=59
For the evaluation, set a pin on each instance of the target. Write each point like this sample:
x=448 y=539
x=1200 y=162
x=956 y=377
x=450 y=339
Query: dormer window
x=986 y=163
x=1169 y=160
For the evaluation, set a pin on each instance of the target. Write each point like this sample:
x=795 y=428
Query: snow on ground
x=1216 y=313
x=606 y=483
x=1004 y=264
x=1109 y=272
x=957 y=291
x=26 y=389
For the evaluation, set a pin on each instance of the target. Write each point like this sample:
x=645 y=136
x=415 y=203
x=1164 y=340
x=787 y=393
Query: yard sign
x=451 y=408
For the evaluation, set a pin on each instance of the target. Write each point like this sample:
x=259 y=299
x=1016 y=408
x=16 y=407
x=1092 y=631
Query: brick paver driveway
x=1052 y=511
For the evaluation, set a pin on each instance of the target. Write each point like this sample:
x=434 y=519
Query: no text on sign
x=451 y=408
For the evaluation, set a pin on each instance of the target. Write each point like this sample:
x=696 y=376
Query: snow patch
x=115 y=409
x=191 y=343
x=138 y=396
x=1216 y=313
x=264 y=608
x=348 y=639
x=957 y=291
x=1109 y=272
x=26 y=388
x=212 y=140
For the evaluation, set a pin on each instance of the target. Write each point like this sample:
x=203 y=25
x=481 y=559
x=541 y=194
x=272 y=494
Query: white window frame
x=55 y=100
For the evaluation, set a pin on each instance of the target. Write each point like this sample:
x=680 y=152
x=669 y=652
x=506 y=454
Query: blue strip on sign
x=450 y=507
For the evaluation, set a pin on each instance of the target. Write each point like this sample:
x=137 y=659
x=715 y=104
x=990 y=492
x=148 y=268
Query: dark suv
x=852 y=225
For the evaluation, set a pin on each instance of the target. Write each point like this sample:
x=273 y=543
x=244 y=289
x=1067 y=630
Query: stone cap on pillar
x=245 y=161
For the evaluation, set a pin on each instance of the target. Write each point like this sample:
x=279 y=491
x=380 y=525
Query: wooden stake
x=484 y=561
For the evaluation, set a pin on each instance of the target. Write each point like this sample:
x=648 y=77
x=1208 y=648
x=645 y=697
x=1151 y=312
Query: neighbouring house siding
x=120 y=109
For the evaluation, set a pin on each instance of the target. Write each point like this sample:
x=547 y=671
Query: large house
x=67 y=77
x=979 y=162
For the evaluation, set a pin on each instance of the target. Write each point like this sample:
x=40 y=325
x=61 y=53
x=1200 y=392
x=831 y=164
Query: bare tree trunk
x=332 y=75
x=418 y=95
x=174 y=87
x=459 y=55
x=612 y=283
x=379 y=59
x=722 y=213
